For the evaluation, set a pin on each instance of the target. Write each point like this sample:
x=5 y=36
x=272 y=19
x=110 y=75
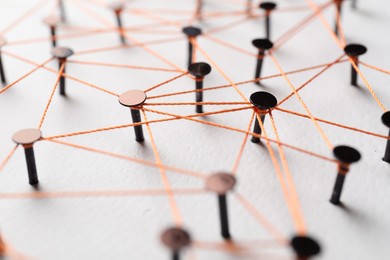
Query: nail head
x=263 y=44
x=305 y=246
x=355 y=50
x=61 y=52
x=346 y=154
x=220 y=183
x=199 y=69
x=263 y=100
x=268 y=6
x=175 y=238
x=27 y=136
x=132 y=98
x=386 y=119
x=192 y=31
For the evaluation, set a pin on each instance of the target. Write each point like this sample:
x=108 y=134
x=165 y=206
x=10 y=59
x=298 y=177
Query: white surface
x=128 y=227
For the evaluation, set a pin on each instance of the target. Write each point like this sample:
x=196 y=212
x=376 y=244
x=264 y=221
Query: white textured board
x=96 y=206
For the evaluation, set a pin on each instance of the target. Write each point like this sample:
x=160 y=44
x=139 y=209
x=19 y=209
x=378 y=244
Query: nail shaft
x=354 y=74
x=31 y=166
x=224 y=216
x=53 y=36
x=199 y=95
x=259 y=65
x=257 y=129
x=386 y=158
x=268 y=26
x=338 y=187
x=2 y=73
x=120 y=27
x=190 y=50
x=62 y=78
x=136 y=116
x=175 y=255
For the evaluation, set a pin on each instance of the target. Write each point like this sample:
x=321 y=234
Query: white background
x=129 y=227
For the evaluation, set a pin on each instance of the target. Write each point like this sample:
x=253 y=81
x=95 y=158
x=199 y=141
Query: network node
x=221 y=183
x=134 y=99
x=305 y=247
x=176 y=239
x=27 y=138
x=386 y=122
x=199 y=70
x=345 y=156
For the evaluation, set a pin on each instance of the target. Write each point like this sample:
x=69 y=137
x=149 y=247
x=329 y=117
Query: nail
x=354 y=51
x=52 y=22
x=268 y=7
x=192 y=33
x=345 y=156
x=262 y=45
x=27 y=138
x=134 y=99
x=62 y=53
x=118 y=7
x=304 y=247
x=263 y=102
x=2 y=73
x=199 y=70
x=386 y=122
x=176 y=239
x=221 y=183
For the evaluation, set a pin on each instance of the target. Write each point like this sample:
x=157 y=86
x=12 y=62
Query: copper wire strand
x=8 y=157
x=165 y=82
x=291 y=205
x=333 y=123
x=228 y=45
x=321 y=132
x=328 y=66
x=285 y=179
x=340 y=28
x=295 y=29
x=24 y=16
x=260 y=218
x=375 y=68
x=95 y=193
x=64 y=74
x=167 y=186
x=133 y=159
x=51 y=95
x=243 y=82
x=138 y=44
x=301 y=226
x=341 y=46
x=294 y=209
x=37 y=67
x=242 y=147
x=142 y=123
x=196 y=103
x=243 y=131
x=126 y=66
